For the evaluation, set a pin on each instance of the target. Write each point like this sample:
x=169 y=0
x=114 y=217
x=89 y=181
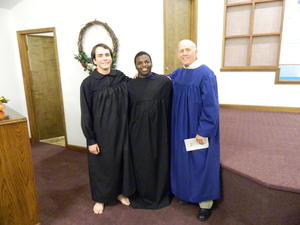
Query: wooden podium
x=18 y=198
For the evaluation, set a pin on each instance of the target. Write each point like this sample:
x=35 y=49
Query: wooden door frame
x=194 y=26
x=194 y=21
x=21 y=35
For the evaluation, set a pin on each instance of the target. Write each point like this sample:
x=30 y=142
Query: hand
x=94 y=149
x=200 y=139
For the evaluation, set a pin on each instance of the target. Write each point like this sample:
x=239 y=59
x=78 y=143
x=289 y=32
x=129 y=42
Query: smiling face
x=143 y=65
x=187 y=52
x=103 y=60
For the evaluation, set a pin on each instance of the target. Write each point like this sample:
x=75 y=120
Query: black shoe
x=204 y=214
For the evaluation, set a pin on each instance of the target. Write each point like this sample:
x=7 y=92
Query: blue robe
x=195 y=175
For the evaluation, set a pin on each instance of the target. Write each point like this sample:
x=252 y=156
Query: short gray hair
x=187 y=41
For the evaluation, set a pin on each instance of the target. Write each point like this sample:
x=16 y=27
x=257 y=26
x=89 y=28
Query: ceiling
x=8 y=4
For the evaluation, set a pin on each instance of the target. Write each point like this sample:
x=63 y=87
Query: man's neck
x=103 y=71
x=143 y=76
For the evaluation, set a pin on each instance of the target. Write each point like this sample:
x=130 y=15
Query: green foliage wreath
x=87 y=62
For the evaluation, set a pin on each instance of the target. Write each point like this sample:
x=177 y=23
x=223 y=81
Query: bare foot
x=98 y=208
x=124 y=200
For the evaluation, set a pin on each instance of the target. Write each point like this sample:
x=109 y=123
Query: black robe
x=104 y=120
x=149 y=108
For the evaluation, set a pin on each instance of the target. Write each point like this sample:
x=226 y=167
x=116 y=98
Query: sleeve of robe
x=209 y=118
x=173 y=74
x=86 y=114
x=169 y=90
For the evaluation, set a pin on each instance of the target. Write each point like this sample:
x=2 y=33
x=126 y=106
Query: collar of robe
x=149 y=76
x=97 y=74
x=194 y=65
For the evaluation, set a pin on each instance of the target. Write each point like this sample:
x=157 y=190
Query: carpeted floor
x=260 y=166
x=260 y=146
x=263 y=146
x=64 y=196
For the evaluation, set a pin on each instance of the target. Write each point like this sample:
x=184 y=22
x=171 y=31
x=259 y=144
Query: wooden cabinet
x=18 y=198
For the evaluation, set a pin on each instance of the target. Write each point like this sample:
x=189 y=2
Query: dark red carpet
x=64 y=196
x=264 y=146
x=260 y=157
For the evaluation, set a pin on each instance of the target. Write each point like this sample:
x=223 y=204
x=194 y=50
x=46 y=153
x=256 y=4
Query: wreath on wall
x=87 y=62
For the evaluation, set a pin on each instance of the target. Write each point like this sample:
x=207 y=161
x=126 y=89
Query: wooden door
x=45 y=86
x=180 y=22
x=40 y=67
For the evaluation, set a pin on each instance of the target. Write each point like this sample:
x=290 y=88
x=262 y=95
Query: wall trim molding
x=76 y=148
x=261 y=108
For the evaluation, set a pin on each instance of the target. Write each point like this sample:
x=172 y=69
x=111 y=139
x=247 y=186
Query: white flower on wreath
x=91 y=66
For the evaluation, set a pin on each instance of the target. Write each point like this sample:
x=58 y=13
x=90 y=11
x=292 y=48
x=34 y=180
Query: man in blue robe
x=195 y=175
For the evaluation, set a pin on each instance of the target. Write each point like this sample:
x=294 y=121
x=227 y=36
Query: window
x=252 y=35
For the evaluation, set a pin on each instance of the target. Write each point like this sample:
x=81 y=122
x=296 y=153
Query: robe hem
x=212 y=197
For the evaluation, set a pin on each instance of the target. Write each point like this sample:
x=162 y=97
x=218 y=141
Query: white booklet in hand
x=191 y=144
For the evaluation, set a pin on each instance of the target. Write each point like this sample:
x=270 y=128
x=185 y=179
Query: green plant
x=3 y=99
x=85 y=61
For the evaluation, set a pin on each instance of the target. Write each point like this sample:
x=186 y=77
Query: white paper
x=191 y=144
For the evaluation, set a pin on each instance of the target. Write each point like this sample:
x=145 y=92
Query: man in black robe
x=104 y=110
x=149 y=108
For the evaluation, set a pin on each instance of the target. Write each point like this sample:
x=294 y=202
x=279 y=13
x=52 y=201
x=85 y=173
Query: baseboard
x=261 y=108
x=76 y=148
